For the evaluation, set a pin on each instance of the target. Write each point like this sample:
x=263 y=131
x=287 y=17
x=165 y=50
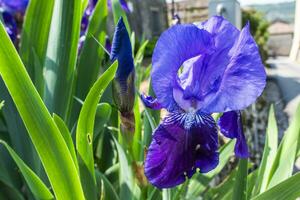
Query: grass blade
x=61 y=56
x=43 y=132
x=85 y=130
x=37 y=187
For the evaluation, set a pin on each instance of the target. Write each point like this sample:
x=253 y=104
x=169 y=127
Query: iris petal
x=150 y=102
x=181 y=144
x=231 y=126
x=176 y=45
x=242 y=81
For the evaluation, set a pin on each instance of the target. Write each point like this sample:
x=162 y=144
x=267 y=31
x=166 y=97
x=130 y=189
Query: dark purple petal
x=150 y=102
x=231 y=126
x=175 y=46
x=124 y=6
x=10 y=25
x=181 y=143
x=123 y=84
x=121 y=50
x=107 y=44
x=243 y=79
x=14 y=6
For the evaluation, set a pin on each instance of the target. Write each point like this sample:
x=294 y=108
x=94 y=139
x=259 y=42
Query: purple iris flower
x=14 y=6
x=123 y=84
x=123 y=4
x=211 y=67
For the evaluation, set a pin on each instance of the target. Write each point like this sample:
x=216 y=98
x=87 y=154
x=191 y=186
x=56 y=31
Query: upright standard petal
x=180 y=145
x=231 y=126
x=175 y=46
x=243 y=80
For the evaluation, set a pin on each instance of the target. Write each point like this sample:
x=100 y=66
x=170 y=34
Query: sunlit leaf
x=269 y=154
x=283 y=164
x=287 y=190
x=46 y=137
x=61 y=56
x=67 y=136
x=85 y=131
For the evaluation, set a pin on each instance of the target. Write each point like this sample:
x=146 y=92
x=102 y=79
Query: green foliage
x=51 y=147
x=74 y=127
x=259 y=29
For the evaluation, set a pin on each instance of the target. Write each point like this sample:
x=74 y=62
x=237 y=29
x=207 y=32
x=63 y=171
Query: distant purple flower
x=12 y=11
x=14 y=6
x=10 y=25
x=123 y=4
x=221 y=72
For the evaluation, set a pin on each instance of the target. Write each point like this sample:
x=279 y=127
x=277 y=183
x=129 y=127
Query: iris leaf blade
x=61 y=56
x=37 y=187
x=240 y=186
x=287 y=190
x=67 y=137
x=91 y=55
x=269 y=153
x=34 y=39
x=126 y=180
x=85 y=130
x=282 y=167
x=44 y=134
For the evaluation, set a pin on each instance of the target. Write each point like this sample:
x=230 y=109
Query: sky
x=249 y=2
